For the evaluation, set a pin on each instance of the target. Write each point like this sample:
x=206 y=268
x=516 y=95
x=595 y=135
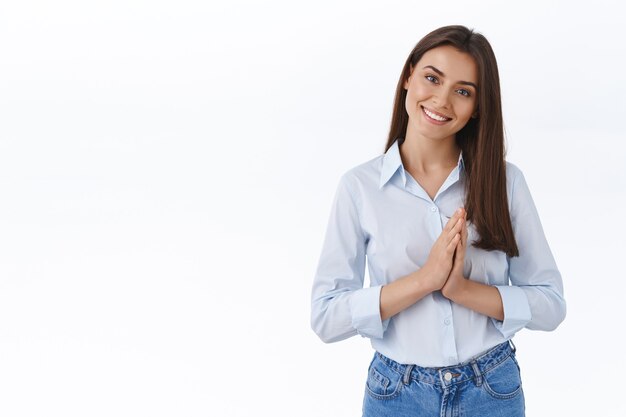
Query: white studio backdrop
x=166 y=175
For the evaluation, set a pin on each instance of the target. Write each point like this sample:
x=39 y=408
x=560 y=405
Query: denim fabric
x=489 y=385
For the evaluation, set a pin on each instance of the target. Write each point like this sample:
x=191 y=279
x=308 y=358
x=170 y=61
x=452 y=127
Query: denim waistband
x=455 y=374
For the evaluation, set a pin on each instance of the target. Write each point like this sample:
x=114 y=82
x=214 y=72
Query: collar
x=392 y=162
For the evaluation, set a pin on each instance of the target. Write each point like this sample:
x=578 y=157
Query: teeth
x=434 y=116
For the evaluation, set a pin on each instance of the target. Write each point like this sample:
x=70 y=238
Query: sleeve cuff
x=516 y=310
x=365 y=311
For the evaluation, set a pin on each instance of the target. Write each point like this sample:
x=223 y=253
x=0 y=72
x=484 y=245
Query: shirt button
x=446 y=321
x=433 y=208
x=447 y=376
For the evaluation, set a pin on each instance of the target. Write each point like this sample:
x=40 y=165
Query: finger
x=453 y=243
x=464 y=234
x=458 y=259
x=460 y=248
x=452 y=220
x=457 y=228
x=459 y=256
x=463 y=231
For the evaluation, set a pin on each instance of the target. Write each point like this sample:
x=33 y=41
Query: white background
x=166 y=175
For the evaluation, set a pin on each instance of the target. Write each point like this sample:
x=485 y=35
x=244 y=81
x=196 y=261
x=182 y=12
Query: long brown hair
x=481 y=139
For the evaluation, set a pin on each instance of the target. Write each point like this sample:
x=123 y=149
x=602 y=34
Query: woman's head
x=474 y=50
x=441 y=93
x=469 y=66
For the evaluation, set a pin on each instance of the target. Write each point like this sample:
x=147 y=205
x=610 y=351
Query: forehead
x=456 y=65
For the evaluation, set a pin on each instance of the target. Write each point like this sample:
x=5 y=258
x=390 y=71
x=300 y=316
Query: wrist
x=424 y=278
x=454 y=288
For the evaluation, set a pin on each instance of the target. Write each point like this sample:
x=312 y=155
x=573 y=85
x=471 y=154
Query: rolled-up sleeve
x=340 y=306
x=535 y=297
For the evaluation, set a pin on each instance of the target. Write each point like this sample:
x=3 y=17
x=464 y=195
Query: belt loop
x=512 y=345
x=407 y=374
x=479 y=376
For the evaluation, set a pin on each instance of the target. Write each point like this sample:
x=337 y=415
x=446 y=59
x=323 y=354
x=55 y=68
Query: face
x=442 y=92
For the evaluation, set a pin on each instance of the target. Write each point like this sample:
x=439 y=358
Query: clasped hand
x=446 y=258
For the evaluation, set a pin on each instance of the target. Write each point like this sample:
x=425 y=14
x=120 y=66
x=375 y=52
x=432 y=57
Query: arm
x=403 y=293
x=482 y=298
x=535 y=297
x=340 y=306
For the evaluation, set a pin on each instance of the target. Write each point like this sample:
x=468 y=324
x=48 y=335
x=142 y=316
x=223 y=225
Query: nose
x=441 y=99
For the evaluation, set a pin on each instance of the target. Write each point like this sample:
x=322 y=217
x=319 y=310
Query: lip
x=433 y=121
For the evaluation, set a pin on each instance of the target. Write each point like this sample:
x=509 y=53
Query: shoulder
x=513 y=175
x=363 y=175
x=517 y=188
x=512 y=171
x=361 y=181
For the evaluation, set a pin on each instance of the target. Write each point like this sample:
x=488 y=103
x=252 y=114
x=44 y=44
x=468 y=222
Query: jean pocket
x=504 y=380
x=382 y=381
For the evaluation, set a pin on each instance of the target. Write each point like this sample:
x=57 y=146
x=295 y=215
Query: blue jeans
x=489 y=385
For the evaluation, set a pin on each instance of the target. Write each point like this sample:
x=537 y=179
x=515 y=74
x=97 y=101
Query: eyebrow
x=443 y=75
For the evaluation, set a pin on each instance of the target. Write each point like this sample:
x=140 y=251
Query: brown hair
x=481 y=139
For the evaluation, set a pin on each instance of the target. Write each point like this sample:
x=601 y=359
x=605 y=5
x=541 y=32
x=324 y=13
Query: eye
x=428 y=77
x=464 y=92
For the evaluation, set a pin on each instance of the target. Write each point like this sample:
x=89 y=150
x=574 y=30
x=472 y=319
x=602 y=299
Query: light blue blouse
x=380 y=212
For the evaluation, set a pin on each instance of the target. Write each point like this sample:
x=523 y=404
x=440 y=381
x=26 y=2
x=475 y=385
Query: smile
x=435 y=117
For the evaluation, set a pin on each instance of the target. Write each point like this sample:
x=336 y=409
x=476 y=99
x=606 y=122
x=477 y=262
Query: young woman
x=457 y=257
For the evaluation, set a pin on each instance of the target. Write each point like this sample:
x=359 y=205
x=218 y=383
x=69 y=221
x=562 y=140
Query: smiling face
x=442 y=93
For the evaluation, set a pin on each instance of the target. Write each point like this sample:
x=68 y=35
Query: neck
x=422 y=154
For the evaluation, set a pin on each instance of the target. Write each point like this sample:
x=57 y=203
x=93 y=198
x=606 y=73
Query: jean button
x=447 y=376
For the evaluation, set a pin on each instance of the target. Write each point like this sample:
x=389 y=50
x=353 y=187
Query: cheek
x=422 y=91
x=415 y=95
x=410 y=102
x=464 y=108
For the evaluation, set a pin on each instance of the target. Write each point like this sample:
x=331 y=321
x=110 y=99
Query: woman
x=457 y=258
